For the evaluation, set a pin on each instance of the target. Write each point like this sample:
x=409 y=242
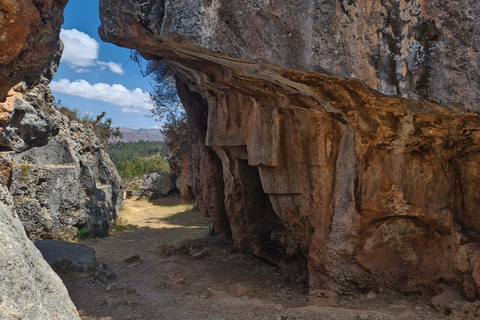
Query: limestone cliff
x=338 y=137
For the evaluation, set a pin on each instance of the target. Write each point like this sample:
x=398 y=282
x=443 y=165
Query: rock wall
x=59 y=175
x=336 y=137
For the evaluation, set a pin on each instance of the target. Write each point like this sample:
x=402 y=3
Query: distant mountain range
x=133 y=135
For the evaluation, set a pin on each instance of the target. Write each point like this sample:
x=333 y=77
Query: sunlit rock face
x=340 y=138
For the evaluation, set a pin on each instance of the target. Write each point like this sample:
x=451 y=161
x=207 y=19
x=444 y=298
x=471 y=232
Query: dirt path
x=168 y=267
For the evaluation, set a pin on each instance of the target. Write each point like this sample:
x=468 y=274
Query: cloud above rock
x=136 y=100
x=81 y=52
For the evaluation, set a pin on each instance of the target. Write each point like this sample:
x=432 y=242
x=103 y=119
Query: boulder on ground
x=158 y=184
x=67 y=258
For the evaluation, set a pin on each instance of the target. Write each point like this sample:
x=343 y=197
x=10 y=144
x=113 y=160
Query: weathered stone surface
x=339 y=137
x=158 y=184
x=29 y=288
x=29 y=40
x=59 y=175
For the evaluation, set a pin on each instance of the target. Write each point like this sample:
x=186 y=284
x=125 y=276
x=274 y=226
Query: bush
x=83 y=233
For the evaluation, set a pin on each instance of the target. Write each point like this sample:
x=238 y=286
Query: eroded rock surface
x=59 y=175
x=332 y=136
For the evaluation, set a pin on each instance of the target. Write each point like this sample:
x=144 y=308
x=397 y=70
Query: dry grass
x=151 y=226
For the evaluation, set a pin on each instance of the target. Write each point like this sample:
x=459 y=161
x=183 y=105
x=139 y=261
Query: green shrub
x=83 y=233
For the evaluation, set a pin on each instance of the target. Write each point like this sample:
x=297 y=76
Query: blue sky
x=95 y=76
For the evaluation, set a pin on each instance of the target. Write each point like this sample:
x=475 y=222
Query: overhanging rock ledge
x=340 y=138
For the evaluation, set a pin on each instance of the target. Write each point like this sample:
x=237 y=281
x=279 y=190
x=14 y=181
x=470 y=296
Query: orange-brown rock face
x=366 y=178
x=29 y=39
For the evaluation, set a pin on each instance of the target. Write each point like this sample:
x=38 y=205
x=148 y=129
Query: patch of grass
x=83 y=233
x=135 y=187
x=24 y=169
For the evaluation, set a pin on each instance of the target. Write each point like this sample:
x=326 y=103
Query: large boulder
x=158 y=184
x=336 y=137
x=29 y=289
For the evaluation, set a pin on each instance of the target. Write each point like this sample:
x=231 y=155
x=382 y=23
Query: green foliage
x=101 y=127
x=127 y=151
x=83 y=233
x=134 y=159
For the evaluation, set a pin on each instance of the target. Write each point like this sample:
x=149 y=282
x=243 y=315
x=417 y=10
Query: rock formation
x=336 y=137
x=29 y=288
x=59 y=175
x=29 y=40
x=158 y=184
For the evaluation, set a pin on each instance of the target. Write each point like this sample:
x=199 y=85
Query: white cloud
x=82 y=70
x=113 y=66
x=80 y=49
x=133 y=100
x=131 y=110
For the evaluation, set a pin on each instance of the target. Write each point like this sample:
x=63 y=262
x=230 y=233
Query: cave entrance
x=259 y=212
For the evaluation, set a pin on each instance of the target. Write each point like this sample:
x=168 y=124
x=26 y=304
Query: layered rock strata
x=336 y=137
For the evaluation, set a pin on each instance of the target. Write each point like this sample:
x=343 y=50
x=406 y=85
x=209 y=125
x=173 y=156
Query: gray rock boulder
x=158 y=184
x=29 y=288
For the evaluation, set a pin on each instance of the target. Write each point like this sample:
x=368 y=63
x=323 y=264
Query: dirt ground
x=169 y=267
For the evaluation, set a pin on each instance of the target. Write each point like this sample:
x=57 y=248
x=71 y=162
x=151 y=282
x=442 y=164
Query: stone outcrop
x=29 y=288
x=59 y=175
x=336 y=137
